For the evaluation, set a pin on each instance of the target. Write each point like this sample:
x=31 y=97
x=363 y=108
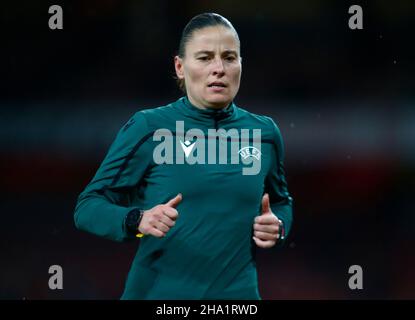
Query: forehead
x=213 y=38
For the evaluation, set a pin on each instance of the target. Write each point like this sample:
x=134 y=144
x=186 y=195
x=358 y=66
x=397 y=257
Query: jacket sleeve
x=105 y=202
x=276 y=185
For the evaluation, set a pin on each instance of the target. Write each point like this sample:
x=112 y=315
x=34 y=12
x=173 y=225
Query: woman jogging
x=200 y=182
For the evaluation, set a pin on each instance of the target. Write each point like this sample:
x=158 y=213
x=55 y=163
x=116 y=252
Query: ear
x=178 y=65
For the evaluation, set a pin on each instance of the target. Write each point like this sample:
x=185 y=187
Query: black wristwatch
x=132 y=221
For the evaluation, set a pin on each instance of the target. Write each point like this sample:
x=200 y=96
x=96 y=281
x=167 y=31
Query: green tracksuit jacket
x=209 y=253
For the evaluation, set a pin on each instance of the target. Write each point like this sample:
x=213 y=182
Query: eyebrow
x=210 y=52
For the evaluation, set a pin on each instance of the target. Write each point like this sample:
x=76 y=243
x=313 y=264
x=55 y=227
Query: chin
x=219 y=102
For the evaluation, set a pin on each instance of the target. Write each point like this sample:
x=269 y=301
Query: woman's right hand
x=158 y=220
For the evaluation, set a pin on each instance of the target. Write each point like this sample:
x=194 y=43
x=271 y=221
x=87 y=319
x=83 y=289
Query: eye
x=230 y=58
x=204 y=58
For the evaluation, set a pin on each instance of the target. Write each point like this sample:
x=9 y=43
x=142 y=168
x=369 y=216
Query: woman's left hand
x=266 y=226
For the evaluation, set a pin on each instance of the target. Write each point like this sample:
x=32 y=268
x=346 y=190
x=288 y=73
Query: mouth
x=217 y=84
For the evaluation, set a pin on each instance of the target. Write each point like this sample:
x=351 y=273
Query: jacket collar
x=212 y=114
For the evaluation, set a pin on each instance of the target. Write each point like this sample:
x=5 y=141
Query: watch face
x=132 y=220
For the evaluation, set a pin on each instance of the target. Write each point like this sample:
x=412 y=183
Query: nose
x=218 y=67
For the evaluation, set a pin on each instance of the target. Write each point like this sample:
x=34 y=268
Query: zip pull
x=217 y=117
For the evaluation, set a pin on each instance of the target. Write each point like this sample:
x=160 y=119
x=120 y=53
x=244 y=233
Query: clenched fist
x=158 y=220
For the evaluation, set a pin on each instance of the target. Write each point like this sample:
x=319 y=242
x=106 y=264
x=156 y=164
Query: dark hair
x=198 y=22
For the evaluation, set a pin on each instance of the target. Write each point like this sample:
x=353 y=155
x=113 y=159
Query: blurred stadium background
x=344 y=101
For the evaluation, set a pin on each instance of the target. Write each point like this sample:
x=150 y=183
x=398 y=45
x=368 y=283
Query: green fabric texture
x=209 y=253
